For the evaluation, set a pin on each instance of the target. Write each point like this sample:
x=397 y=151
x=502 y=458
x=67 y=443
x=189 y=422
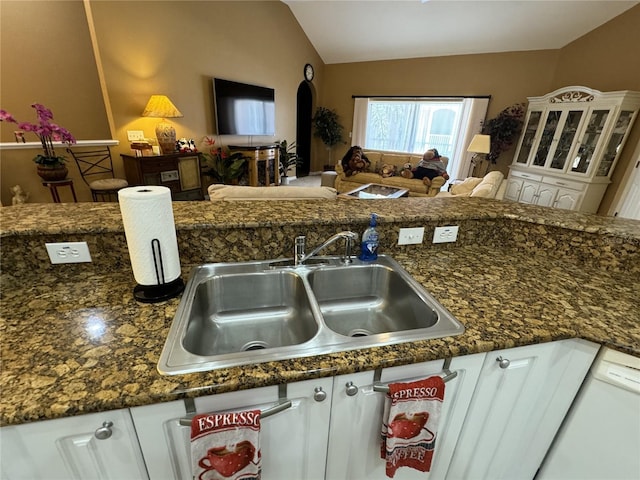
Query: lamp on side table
x=159 y=106
x=479 y=144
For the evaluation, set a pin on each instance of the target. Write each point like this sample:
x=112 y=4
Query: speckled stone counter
x=75 y=341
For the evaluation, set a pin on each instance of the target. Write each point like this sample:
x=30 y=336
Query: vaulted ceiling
x=354 y=31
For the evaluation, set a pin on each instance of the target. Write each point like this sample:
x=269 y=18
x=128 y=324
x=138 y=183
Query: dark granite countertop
x=79 y=343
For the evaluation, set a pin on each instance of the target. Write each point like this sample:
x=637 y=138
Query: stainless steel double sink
x=242 y=313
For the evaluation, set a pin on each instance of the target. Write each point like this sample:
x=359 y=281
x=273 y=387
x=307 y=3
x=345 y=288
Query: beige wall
x=175 y=48
x=607 y=59
x=46 y=57
x=172 y=48
x=507 y=77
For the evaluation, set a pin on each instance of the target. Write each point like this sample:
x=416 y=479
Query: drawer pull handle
x=104 y=431
x=319 y=394
x=351 y=389
x=503 y=362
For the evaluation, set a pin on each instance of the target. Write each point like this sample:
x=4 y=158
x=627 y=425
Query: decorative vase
x=52 y=173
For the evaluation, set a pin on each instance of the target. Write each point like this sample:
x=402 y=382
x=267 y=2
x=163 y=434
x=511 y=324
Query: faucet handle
x=299 y=247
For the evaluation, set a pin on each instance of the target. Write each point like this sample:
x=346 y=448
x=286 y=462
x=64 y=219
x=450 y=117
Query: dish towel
x=410 y=423
x=226 y=446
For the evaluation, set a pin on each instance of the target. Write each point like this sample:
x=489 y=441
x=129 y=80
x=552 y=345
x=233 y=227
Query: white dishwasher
x=600 y=438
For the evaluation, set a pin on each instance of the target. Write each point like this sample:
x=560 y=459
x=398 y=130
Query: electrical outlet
x=445 y=234
x=68 y=252
x=410 y=236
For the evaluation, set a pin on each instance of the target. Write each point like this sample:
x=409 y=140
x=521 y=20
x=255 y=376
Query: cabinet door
x=546 y=138
x=68 y=448
x=354 y=445
x=520 y=401
x=528 y=137
x=567 y=199
x=293 y=442
x=588 y=146
x=529 y=191
x=546 y=195
x=616 y=141
x=513 y=189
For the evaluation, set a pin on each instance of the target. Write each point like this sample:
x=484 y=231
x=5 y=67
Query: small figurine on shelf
x=186 y=146
x=19 y=195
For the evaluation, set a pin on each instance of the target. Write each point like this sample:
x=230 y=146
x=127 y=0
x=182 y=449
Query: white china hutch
x=569 y=146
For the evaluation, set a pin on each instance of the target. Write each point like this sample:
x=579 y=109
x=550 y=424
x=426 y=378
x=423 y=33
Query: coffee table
x=376 y=191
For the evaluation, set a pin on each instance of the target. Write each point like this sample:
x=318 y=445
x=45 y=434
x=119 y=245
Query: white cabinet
x=356 y=419
x=545 y=191
x=572 y=136
x=520 y=401
x=293 y=442
x=69 y=448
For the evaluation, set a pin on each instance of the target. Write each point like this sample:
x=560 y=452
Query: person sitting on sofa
x=428 y=168
x=354 y=161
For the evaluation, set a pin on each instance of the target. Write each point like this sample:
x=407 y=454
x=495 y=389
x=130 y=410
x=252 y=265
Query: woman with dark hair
x=354 y=161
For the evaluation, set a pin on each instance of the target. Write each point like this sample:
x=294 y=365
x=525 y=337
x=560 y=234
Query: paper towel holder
x=163 y=290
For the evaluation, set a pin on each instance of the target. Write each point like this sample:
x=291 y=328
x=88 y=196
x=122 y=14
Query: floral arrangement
x=47 y=132
x=222 y=165
x=504 y=130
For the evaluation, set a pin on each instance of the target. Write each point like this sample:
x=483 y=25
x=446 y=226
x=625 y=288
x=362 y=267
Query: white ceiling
x=344 y=31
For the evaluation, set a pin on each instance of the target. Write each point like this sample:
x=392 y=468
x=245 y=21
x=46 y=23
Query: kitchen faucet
x=300 y=257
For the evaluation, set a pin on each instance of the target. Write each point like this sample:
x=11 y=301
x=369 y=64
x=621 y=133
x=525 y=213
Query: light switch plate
x=445 y=234
x=135 y=135
x=411 y=236
x=68 y=252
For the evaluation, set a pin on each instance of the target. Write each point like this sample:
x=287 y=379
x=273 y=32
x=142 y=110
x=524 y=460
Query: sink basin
x=366 y=300
x=250 y=312
x=242 y=312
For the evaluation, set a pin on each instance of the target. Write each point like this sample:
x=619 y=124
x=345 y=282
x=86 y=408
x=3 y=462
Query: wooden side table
x=255 y=154
x=53 y=188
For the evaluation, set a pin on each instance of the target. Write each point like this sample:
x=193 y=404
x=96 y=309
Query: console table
x=180 y=172
x=255 y=154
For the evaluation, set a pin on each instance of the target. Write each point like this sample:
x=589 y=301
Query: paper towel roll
x=147 y=215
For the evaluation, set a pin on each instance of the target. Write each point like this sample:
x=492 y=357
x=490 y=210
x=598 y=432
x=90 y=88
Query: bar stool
x=53 y=188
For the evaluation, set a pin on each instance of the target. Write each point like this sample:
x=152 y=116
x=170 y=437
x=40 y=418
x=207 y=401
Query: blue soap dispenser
x=369 y=244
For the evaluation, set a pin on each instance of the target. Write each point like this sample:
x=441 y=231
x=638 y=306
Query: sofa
x=492 y=185
x=230 y=193
x=372 y=175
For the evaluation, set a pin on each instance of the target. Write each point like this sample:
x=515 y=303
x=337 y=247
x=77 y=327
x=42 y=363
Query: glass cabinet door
x=546 y=139
x=529 y=136
x=589 y=141
x=565 y=141
x=611 y=152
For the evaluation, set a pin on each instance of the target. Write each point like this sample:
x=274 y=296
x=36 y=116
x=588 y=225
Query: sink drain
x=257 y=345
x=359 y=332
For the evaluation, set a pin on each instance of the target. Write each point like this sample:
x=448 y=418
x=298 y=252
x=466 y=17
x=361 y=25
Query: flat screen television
x=243 y=109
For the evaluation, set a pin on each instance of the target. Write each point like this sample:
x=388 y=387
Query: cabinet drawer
x=159 y=165
x=266 y=154
x=559 y=182
x=526 y=175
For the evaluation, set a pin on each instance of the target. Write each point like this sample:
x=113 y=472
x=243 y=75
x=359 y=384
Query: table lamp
x=479 y=144
x=159 y=106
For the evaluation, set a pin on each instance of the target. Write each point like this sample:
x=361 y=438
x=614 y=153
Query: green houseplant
x=288 y=156
x=328 y=128
x=504 y=130
x=50 y=166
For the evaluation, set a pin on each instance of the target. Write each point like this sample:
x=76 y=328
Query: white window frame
x=473 y=113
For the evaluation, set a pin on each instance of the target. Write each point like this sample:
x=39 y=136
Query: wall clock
x=308 y=72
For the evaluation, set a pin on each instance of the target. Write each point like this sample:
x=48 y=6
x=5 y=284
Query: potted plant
x=222 y=166
x=504 y=130
x=328 y=128
x=288 y=158
x=50 y=166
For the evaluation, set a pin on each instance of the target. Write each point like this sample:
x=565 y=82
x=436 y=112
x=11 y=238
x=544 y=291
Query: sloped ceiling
x=345 y=31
